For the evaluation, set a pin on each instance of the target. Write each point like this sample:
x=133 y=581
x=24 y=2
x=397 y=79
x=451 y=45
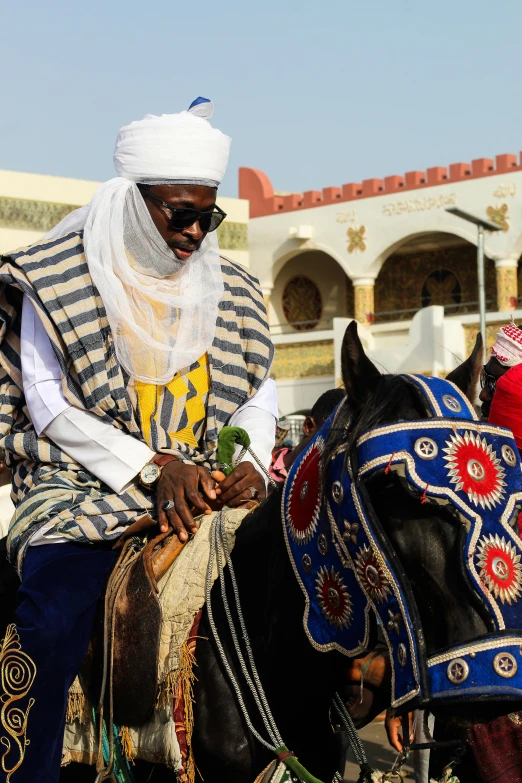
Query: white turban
x=172 y=147
x=162 y=312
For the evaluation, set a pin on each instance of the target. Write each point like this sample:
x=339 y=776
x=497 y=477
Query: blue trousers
x=60 y=592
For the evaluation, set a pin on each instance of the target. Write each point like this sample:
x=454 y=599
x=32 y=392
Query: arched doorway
x=432 y=269
x=310 y=290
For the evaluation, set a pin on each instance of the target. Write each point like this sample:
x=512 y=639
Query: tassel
x=166 y=691
x=127 y=747
x=77 y=707
x=423 y=496
x=184 y=684
x=387 y=470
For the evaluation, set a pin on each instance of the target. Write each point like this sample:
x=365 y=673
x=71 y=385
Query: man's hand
x=185 y=485
x=393 y=725
x=234 y=490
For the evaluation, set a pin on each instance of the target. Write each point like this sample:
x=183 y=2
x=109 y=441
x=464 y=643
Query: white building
x=387 y=253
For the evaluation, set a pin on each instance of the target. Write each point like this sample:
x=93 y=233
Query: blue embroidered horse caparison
x=347 y=568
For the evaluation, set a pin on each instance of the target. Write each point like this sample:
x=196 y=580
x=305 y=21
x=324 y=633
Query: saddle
x=120 y=670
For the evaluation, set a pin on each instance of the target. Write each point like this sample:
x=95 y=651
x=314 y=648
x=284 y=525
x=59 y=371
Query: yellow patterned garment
x=177 y=411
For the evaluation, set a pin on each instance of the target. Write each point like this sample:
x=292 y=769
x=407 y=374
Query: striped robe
x=47 y=483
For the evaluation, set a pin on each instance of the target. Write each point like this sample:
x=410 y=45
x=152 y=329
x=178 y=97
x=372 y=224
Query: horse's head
x=415 y=520
x=426 y=536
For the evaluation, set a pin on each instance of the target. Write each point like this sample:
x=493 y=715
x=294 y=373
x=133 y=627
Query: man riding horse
x=127 y=343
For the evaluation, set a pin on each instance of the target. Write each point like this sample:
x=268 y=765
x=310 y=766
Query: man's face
x=183 y=242
x=492 y=371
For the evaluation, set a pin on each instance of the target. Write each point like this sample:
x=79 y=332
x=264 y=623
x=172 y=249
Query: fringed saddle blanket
x=165 y=738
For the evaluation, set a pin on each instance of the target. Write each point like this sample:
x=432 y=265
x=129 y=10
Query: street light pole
x=481 y=225
x=481 y=285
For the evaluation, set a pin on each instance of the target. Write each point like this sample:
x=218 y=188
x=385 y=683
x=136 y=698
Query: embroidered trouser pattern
x=41 y=654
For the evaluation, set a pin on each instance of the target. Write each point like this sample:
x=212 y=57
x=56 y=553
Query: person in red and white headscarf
x=506 y=405
x=501 y=381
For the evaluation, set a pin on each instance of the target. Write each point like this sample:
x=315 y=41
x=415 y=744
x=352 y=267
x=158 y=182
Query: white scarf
x=162 y=312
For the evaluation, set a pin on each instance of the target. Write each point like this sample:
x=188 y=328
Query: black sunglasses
x=184 y=218
x=488 y=381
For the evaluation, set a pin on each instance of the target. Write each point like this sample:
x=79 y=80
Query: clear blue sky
x=313 y=93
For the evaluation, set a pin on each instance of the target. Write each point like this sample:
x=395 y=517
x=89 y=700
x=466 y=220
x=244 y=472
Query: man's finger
x=196 y=500
x=177 y=525
x=237 y=474
x=183 y=512
x=243 y=487
x=162 y=520
x=207 y=484
x=392 y=725
x=236 y=490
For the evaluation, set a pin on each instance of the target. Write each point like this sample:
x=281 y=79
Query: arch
x=460 y=233
x=324 y=273
x=290 y=249
x=431 y=269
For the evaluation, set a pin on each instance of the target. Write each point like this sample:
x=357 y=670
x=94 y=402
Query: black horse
x=300 y=681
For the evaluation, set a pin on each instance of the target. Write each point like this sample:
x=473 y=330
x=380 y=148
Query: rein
x=220 y=553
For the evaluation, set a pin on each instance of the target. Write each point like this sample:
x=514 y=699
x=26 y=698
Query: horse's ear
x=466 y=375
x=360 y=375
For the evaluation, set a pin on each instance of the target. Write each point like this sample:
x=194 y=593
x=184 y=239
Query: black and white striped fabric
x=47 y=484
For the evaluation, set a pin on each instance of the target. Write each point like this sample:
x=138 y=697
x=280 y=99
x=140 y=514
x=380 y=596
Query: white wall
x=296 y=395
x=430 y=344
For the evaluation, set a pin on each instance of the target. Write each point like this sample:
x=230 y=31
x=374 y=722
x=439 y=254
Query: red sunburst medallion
x=475 y=469
x=333 y=597
x=304 y=501
x=371 y=575
x=500 y=568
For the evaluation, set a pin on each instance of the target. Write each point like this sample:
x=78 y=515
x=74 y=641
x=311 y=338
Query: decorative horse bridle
x=347 y=567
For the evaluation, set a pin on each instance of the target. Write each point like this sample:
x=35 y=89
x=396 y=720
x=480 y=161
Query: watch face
x=150 y=473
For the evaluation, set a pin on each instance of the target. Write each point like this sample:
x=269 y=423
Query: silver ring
x=253 y=492
x=167 y=505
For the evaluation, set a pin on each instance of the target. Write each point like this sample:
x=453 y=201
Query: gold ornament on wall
x=356 y=239
x=441 y=287
x=499 y=216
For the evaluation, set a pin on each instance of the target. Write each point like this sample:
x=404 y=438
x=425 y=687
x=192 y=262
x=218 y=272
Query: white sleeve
x=265 y=398
x=258 y=416
x=111 y=455
x=41 y=374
